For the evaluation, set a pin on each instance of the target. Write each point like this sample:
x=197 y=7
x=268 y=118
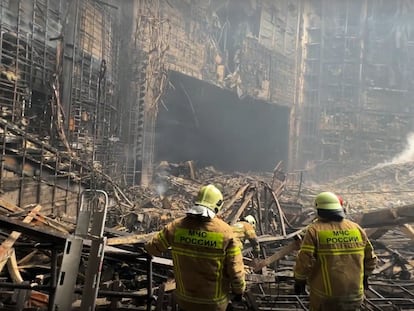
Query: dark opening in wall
x=199 y=121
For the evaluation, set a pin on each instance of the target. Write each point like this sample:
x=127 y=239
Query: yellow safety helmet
x=251 y=220
x=210 y=197
x=327 y=201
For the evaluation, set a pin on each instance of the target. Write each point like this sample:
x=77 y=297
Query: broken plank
x=408 y=230
x=10 y=206
x=130 y=239
x=12 y=238
x=43 y=219
x=235 y=217
x=39 y=299
x=35 y=232
x=282 y=252
x=52 y=223
x=235 y=197
x=14 y=269
x=27 y=258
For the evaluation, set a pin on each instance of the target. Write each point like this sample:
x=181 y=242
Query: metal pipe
x=149 y=278
x=53 y=277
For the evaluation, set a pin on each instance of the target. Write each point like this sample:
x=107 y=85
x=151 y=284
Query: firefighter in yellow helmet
x=335 y=259
x=208 y=265
x=245 y=229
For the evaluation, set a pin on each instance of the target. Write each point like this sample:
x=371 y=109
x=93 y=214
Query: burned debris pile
x=173 y=191
x=33 y=240
x=385 y=185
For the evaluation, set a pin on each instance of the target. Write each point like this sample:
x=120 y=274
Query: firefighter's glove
x=300 y=287
x=237 y=298
x=365 y=282
x=256 y=253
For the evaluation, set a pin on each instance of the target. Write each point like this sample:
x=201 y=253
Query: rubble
x=32 y=260
x=86 y=85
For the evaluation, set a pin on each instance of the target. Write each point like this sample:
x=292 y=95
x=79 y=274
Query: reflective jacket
x=207 y=262
x=333 y=258
x=244 y=231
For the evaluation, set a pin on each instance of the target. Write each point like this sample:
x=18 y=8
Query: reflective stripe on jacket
x=244 y=231
x=207 y=262
x=334 y=256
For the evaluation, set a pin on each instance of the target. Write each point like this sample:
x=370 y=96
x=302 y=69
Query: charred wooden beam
x=280 y=253
x=234 y=217
x=12 y=238
x=235 y=197
x=34 y=232
x=387 y=217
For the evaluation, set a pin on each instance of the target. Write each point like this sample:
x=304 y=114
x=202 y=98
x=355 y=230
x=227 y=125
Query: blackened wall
x=202 y=122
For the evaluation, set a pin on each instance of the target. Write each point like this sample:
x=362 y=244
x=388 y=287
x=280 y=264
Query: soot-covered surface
x=202 y=122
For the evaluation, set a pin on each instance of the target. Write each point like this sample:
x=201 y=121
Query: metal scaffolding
x=355 y=86
x=58 y=71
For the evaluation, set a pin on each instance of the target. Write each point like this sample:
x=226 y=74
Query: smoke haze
x=407 y=155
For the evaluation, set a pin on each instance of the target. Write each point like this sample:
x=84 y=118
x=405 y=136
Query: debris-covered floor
x=31 y=251
x=94 y=94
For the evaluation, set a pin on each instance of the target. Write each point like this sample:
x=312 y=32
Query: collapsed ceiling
x=282 y=214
